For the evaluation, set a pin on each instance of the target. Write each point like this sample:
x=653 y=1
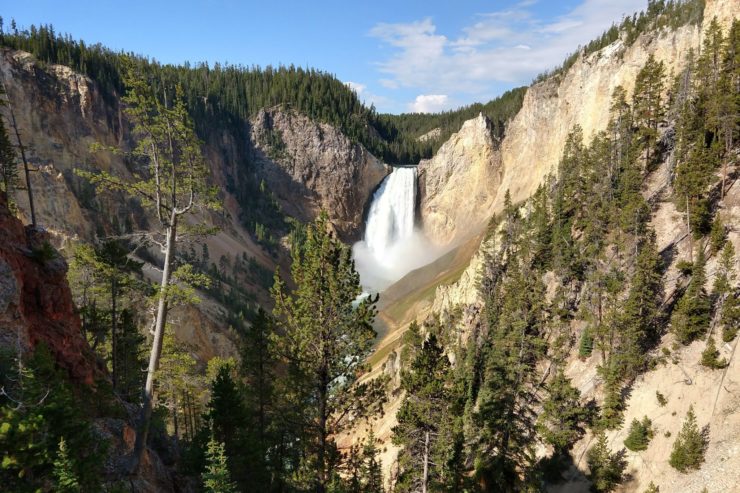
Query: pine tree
x=228 y=420
x=605 y=467
x=639 y=434
x=612 y=407
x=178 y=378
x=258 y=372
x=325 y=337
x=516 y=313
x=690 y=445
x=647 y=104
x=64 y=473
x=717 y=235
x=174 y=186
x=131 y=357
x=372 y=467
x=724 y=289
x=421 y=415
x=639 y=320
x=690 y=319
x=563 y=416
x=216 y=477
x=586 y=344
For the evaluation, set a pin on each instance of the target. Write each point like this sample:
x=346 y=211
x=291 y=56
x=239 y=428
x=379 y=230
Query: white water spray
x=392 y=246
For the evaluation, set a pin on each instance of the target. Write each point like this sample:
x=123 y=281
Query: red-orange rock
x=35 y=299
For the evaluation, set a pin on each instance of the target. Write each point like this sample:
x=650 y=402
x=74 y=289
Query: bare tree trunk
x=159 y=327
x=323 y=396
x=688 y=231
x=23 y=157
x=425 y=474
x=113 y=332
x=174 y=416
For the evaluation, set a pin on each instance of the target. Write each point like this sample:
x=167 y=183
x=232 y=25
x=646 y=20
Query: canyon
x=438 y=213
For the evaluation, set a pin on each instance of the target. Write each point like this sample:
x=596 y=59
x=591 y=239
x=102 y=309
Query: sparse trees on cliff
x=170 y=178
x=4 y=101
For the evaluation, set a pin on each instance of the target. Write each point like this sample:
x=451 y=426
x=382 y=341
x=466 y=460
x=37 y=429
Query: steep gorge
x=308 y=166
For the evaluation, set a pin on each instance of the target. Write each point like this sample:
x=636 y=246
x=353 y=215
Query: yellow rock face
x=459 y=184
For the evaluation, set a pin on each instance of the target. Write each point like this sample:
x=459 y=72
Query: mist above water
x=392 y=245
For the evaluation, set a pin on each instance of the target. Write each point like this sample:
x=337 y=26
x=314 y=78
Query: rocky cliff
x=312 y=166
x=465 y=182
x=459 y=185
x=582 y=96
x=35 y=300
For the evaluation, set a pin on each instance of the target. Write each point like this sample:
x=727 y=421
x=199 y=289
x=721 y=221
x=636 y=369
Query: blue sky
x=403 y=55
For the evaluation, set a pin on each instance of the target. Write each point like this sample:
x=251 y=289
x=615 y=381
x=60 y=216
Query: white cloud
x=369 y=97
x=356 y=86
x=429 y=103
x=510 y=46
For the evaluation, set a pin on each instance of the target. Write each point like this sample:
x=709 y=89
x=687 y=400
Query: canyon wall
x=465 y=182
x=312 y=166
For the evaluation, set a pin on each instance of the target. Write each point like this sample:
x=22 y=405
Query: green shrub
x=710 y=356
x=685 y=267
x=662 y=401
x=652 y=488
x=44 y=253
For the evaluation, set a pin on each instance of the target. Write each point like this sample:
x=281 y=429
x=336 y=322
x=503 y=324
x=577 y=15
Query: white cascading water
x=391 y=216
x=392 y=246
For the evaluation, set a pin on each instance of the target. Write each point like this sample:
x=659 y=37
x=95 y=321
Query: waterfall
x=392 y=246
x=391 y=216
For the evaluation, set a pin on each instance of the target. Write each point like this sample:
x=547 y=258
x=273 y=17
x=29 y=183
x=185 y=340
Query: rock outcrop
x=459 y=185
x=312 y=166
x=430 y=135
x=35 y=300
